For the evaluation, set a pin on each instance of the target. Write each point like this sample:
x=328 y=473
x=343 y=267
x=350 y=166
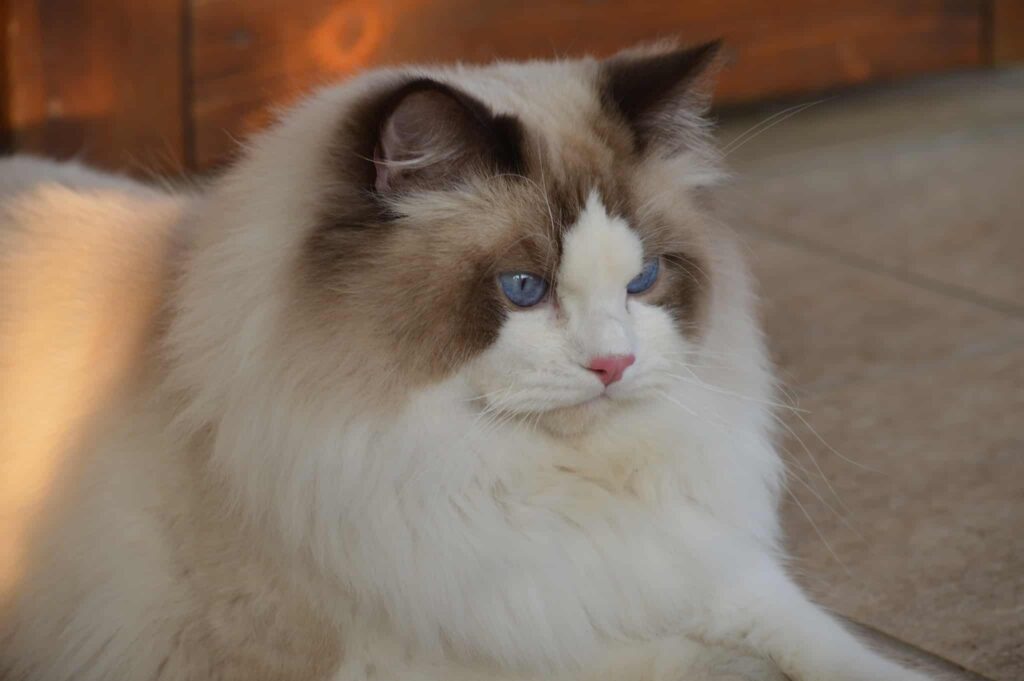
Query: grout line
x=860 y=262
x=914 y=653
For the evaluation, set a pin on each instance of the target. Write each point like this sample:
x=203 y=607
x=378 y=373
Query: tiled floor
x=887 y=229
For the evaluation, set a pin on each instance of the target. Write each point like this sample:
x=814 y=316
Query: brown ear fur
x=658 y=91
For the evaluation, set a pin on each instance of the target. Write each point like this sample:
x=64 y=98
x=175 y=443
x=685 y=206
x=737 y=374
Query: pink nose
x=610 y=368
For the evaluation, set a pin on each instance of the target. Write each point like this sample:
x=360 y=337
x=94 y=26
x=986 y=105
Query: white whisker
x=696 y=380
x=678 y=403
x=818 y=532
x=810 y=488
x=814 y=461
x=834 y=451
x=767 y=124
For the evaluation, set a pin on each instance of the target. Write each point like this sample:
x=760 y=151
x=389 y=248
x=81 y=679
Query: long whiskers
x=842 y=516
x=834 y=450
x=679 y=404
x=792 y=460
x=696 y=380
x=795 y=410
x=767 y=124
x=818 y=532
x=814 y=461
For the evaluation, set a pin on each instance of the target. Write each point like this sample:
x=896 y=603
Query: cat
x=453 y=375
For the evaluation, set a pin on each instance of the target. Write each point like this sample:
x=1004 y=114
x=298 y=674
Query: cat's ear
x=661 y=92
x=431 y=135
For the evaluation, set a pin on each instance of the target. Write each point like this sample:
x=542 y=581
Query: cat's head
x=533 y=230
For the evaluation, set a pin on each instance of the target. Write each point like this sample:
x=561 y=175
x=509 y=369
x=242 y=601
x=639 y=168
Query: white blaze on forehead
x=600 y=255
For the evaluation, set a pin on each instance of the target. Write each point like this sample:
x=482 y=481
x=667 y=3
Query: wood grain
x=1007 y=31
x=250 y=56
x=99 y=80
x=5 y=83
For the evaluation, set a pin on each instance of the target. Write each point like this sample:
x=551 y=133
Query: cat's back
x=84 y=259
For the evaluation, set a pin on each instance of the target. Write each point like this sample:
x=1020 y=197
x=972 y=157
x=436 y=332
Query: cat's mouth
x=573 y=413
x=599 y=400
x=590 y=402
x=604 y=398
x=574 y=419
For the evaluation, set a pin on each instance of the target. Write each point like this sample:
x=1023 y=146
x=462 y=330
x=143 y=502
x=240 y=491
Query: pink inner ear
x=429 y=138
x=409 y=137
x=393 y=145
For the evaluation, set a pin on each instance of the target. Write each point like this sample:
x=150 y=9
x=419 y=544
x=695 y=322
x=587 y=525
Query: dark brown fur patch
x=647 y=90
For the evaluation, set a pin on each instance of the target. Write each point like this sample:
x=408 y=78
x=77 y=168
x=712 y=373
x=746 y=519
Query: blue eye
x=643 y=281
x=523 y=289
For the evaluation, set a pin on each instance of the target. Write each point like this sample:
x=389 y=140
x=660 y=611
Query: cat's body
x=333 y=450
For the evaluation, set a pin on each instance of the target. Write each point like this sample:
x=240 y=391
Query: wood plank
x=5 y=111
x=99 y=80
x=249 y=56
x=1007 y=31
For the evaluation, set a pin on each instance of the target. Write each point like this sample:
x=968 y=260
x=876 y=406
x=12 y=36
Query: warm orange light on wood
x=334 y=51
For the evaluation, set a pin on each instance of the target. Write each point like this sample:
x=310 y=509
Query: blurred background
x=878 y=152
x=169 y=84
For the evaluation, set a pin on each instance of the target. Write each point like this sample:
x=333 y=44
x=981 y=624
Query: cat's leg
x=775 y=618
x=751 y=600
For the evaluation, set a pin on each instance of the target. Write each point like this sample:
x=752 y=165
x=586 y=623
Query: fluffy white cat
x=451 y=376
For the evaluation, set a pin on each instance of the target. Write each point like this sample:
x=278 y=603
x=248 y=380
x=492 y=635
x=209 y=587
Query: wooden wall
x=1007 y=24
x=166 y=85
x=98 y=79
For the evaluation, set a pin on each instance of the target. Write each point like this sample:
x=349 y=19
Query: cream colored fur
x=207 y=501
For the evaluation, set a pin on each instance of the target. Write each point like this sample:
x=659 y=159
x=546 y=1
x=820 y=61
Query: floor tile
x=829 y=323
x=924 y=184
x=922 y=537
x=936 y=667
x=914 y=113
